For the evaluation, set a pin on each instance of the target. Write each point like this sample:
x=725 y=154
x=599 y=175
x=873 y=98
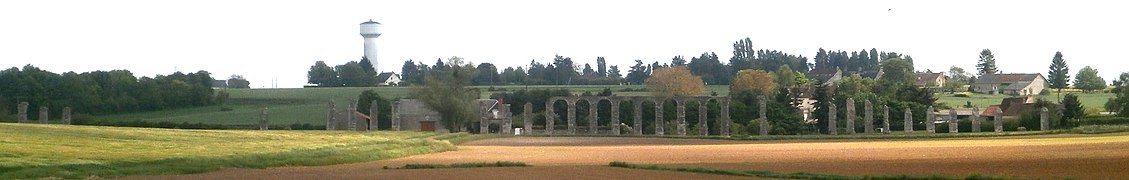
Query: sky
x=274 y=43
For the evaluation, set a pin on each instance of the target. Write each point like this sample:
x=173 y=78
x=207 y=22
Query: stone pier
x=395 y=116
x=264 y=119
x=373 y=113
x=550 y=116
x=725 y=121
x=703 y=114
x=868 y=117
x=954 y=123
x=43 y=112
x=67 y=115
x=527 y=119
x=998 y=120
x=614 y=123
x=763 y=120
x=975 y=119
x=352 y=115
x=571 y=117
x=851 y=116
x=680 y=108
x=909 y=121
x=832 y=127
x=22 y=112
x=886 y=119
x=659 y=121
x=507 y=120
x=329 y=116
x=638 y=124
x=1044 y=122
x=930 y=118
x=593 y=107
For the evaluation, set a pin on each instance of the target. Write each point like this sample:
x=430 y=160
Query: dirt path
x=1054 y=156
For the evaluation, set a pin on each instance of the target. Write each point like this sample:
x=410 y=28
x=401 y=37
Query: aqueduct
x=637 y=101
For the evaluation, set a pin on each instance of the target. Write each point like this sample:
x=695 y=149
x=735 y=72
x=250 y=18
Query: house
x=930 y=80
x=388 y=79
x=826 y=77
x=875 y=75
x=219 y=84
x=1010 y=107
x=1013 y=84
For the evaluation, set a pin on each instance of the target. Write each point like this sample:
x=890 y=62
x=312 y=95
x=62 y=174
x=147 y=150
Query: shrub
x=960 y=95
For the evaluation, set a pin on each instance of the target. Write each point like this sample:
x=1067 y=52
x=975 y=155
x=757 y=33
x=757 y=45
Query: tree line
x=351 y=74
x=101 y=92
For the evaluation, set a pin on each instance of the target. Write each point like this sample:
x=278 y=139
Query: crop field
x=34 y=150
x=1058 y=156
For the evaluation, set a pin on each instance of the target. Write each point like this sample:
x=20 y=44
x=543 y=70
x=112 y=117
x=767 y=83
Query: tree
x=1058 y=76
x=1072 y=108
x=898 y=73
x=785 y=77
x=447 y=94
x=675 y=81
x=367 y=66
x=613 y=72
x=322 y=75
x=1088 y=80
x=678 y=61
x=408 y=71
x=743 y=55
x=601 y=67
x=1122 y=80
x=1120 y=102
x=351 y=74
x=364 y=102
x=987 y=63
x=758 y=81
x=957 y=78
x=588 y=71
x=638 y=73
x=487 y=74
x=221 y=99
x=237 y=81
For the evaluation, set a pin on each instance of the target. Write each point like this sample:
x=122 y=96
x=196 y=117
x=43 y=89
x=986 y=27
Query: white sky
x=265 y=40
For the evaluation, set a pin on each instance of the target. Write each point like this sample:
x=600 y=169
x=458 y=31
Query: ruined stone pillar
x=886 y=119
x=832 y=126
x=43 y=112
x=975 y=119
x=681 y=109
x=851 y=116
x=909 y=121
x=725 y=121
x=703 y=114
x=593 y=120
x=954 y=123
x=507 y=120
x=395 y=116
x=763 y=120
x=67 y=115
x=22 y=112
x=373 y=113
x=614 y=123
x=867 y=117
x=550 y=116
x=998 y=120
x=264 y=119
x=483 y=125
x=329 y=115
x=527 y=118
x=929 y=119
x=659 y=121
x=351 y=120
x=638 y=128
x=1044 y=122
x=571 y=116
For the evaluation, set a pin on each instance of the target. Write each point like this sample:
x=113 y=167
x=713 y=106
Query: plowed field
x=1049 y=156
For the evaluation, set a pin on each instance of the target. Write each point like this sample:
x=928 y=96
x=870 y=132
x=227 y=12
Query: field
x=308 y=105
x=1043 y=156
x=33 y=150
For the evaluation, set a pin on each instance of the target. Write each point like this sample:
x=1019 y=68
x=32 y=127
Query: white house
x=388 y=79
x=1013 y=84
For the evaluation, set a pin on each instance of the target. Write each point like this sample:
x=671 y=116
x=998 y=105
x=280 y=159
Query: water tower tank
x=370 y=31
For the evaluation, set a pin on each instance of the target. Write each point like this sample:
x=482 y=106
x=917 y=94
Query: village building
x=1011 y=84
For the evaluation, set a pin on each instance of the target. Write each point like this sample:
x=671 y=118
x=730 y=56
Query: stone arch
x=551 y=115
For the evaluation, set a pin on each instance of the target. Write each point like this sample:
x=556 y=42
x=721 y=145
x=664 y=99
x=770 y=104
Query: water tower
x=370 y=31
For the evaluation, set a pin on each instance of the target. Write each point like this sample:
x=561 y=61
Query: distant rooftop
x=370 y=22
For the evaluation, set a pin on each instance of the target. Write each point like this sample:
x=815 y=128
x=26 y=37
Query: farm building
x=930 y=79
x=826 y=77
x=388 y=79
x=1013 y=84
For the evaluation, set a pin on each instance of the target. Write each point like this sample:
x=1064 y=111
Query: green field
x=35 y=151
x=1089 y=100
x=308 y=105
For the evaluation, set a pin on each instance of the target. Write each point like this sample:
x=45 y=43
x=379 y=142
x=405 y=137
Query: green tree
x=351 y=74
x=1120 y=102
x=1122 y=80
x=898 y=73
x=322 y=75
x=448 y=95
x=1072 y=109
x=785 y=77
x=987 y=63
x=237 y=81
x=384 y=106
x=1088 y=80
x=957 y=78
x=367 y=66
x=638 y=73
x=487 y=74
x=221 y=99
x=601 y=67
x=1059 y=74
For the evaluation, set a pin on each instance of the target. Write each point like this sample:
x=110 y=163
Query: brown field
x=1042 y=157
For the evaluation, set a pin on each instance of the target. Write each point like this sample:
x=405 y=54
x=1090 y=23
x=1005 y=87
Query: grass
x=1089 y=100
x=308 y=105
x=37 y=151
x=776 y=175
x=462 y=165
x=1100 y=129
